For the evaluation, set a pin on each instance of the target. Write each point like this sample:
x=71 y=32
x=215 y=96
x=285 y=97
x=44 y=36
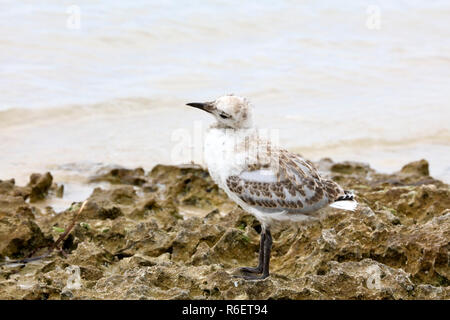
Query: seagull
x=265 y=180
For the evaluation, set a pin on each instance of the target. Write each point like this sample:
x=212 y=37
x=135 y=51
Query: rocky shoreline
x=171 y=233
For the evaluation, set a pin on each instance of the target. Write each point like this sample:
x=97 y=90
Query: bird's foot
x=250 y=270
x=252 y=277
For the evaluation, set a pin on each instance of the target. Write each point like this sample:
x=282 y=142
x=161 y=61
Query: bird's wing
x=284 y=181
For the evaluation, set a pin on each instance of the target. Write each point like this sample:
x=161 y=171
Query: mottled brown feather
x=293 y=174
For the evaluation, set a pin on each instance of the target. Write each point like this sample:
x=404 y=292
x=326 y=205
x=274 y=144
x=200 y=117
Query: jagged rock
x=20 y=235
x=350 y=167
x=134 y=240
x=9 y=188
x=187 y=185
x=39 y=184
x=135 y=177
x=420 y=168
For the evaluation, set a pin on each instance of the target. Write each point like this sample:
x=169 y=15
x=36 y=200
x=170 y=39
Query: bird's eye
x=224 y=116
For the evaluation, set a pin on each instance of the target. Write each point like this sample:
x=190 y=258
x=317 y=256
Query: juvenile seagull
x=267 y=181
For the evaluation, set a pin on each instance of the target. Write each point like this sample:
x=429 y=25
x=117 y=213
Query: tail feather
x=349 y=205
x=345 y=202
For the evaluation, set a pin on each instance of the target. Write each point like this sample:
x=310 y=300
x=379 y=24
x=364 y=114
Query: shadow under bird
x=265 y=180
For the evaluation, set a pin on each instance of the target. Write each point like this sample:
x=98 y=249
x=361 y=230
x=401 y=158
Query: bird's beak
x=205 y=106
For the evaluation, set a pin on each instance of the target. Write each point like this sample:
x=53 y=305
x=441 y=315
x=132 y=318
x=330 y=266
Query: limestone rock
x=420 y=168
x=39 y=184
x=135 y=241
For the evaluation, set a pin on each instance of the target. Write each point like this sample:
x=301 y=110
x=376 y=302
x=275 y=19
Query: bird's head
x=230 y=111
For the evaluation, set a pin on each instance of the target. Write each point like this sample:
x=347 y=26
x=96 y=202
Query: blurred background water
x=96 y=82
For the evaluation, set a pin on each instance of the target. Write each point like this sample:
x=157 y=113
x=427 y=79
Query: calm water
x=105 y=82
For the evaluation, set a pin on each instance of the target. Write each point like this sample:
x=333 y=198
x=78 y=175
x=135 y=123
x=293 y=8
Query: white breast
x=216 y=146
x=220 y=154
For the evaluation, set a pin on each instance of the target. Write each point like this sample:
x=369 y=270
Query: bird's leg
x=266 y=260
x=267 y=249
x=259 y=268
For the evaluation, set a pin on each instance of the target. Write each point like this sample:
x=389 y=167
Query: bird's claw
x=252 y=277
x=250 y=270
